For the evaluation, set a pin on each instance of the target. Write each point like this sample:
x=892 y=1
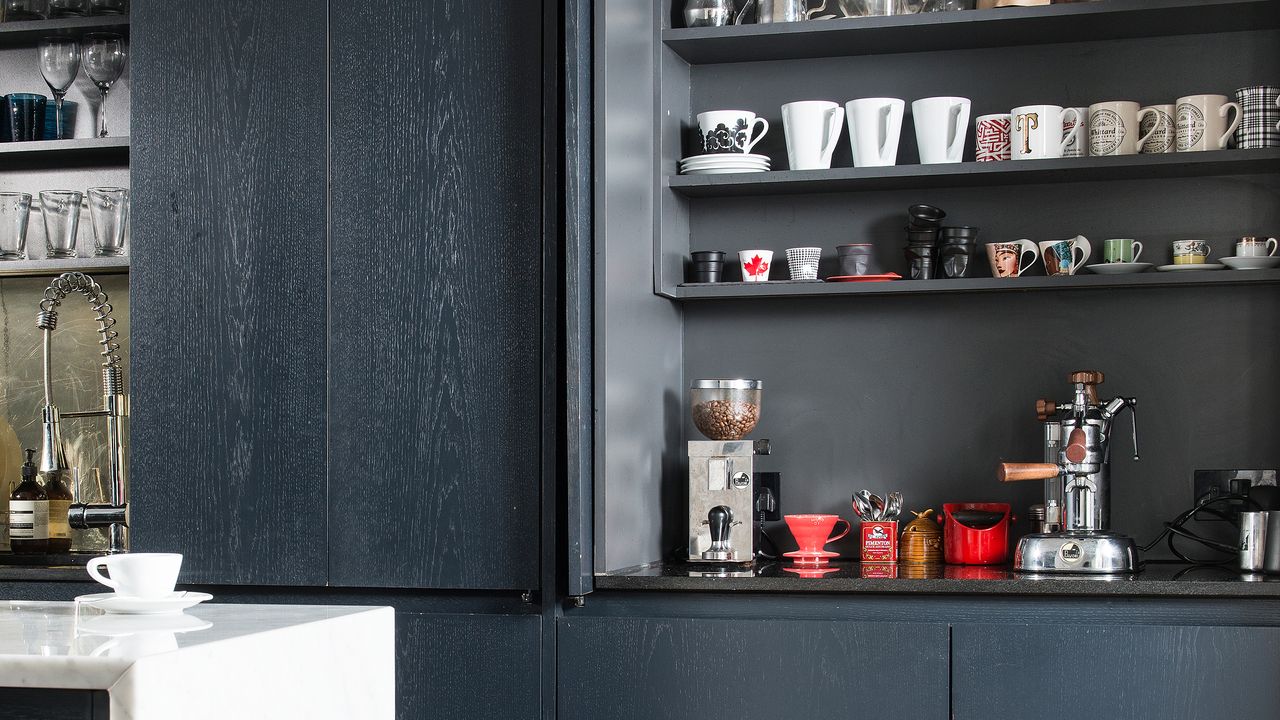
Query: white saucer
x=756 y=157
x=1251 y=263
x=115 y=625
x=1185 y=268
x=172 y=603
x=1120 y=268
x=723 y=171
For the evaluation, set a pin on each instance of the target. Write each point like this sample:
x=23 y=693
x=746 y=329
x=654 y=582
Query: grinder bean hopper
x=721 y=470
x=1076 y=532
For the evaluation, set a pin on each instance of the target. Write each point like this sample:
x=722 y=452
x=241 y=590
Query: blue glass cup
x=68 y=121
x=24 y=115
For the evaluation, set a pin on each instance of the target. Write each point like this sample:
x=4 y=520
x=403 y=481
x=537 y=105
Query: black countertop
x=1154 y=580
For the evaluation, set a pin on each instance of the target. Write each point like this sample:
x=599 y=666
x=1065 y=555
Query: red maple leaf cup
x=755 y=264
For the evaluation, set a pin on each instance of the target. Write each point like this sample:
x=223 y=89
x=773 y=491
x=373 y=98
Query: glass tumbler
x=15 y=209
x=108 y=211
x=26 y=10
x=108 y=7
x=68 y=8
x=61 y=211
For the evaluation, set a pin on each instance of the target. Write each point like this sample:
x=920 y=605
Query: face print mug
x=728 y=131
x=1060 y=255
x=1190 y=252
x=1006 y=257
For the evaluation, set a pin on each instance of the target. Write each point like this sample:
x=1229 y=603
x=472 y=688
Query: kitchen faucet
x=53 y=458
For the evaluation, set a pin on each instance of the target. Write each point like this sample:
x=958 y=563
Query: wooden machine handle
x=1091 y=379
x=1013 y=472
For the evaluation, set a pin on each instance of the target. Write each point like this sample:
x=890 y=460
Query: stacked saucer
x=724 y=163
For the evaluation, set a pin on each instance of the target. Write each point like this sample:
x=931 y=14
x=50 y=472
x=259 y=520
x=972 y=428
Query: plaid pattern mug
x=1260 y=117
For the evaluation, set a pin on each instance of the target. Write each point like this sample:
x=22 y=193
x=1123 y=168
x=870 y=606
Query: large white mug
x=1065 y=257
x=812 y=128
x=942 y=124
x=1114 y=125
x=1202 y=122
x=1037 y=132
x=138 y=575
x=875 y=125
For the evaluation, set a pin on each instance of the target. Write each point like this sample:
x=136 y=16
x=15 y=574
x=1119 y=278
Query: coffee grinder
x=721 y=470
x=1075 y=534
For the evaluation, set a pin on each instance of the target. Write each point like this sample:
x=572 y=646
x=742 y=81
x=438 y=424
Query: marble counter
x=212 y=661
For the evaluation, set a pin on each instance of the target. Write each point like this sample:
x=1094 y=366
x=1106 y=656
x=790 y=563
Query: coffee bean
x=725 y=419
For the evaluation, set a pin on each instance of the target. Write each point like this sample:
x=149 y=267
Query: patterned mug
x=1190 y=252
x=992 y=137
x=1006 y=257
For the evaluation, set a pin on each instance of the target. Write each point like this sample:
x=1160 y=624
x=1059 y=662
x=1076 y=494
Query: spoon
x=862 y=504
x=877 y=503
x=895 y=506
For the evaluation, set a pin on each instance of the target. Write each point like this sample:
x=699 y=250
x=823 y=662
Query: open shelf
x=999 y=27
x=785 y=288
x=81 y=151
x=970 y=174
x=28 y=32
x=49 y=268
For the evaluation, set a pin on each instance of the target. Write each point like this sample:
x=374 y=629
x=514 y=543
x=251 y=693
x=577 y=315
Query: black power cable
x=1176 y=528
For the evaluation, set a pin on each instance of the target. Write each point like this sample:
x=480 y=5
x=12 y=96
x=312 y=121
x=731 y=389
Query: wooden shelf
x=50 y=268
x=29 y=32
x=77 y=151
x=1000 y=27
x=1086 y=281
x=971 y=174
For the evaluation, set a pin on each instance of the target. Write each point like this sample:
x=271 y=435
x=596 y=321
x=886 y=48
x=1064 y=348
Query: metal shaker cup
x=1253 y=540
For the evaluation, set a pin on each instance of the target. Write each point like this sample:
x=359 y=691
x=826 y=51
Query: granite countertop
x=211 y=661
x=1154 y=580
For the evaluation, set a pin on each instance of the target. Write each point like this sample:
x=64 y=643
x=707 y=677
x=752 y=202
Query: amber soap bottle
x=29 y=513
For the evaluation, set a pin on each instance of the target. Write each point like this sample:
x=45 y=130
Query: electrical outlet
x=768 y=483
x=1256 y=484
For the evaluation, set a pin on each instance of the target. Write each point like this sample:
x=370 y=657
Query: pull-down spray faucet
x=53 y=459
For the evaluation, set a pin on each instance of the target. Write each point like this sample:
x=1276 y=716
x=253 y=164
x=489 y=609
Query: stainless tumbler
x=1253 y=540
x=1271 y=560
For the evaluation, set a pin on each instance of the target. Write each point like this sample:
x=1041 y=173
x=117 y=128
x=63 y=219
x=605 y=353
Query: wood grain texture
x=49 y=704
x=645 y=668
x=478 y=667
x=228 y=243
x=1115 y=673
x=435 y=292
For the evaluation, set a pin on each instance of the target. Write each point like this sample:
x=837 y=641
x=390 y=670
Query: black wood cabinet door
x=227 y=288
x=435 y=294
x=643 y=668
x=1115 y=672
x=472 y=667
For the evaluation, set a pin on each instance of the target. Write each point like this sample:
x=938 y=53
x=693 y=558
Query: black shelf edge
x=50 y=268
x=73 y=151
x=973 y=174
x=998 y=27
x=1084 y=281
x=29 y=32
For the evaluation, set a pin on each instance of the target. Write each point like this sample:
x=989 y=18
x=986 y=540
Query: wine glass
x=104 y=57
x=59 y=64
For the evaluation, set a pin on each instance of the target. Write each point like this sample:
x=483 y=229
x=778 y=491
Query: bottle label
x=59 y=527
x=29 y=519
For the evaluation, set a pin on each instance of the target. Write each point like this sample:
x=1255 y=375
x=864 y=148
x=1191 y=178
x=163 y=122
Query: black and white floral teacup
x=727 y=131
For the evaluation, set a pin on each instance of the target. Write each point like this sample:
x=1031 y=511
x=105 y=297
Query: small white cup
x=756 y=265
x=1256 y=247
x=138 y=575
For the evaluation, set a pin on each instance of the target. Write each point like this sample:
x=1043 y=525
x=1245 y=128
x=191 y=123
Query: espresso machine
x=1075 y=534
x=722 y=496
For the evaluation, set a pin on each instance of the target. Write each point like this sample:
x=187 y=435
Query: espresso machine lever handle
x=1014 y=472
x=1133 y=417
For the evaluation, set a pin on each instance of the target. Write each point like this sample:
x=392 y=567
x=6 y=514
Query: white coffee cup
x=942 y=124
x=875 y=125
x=729 y=131
x=1036 y=132
x=1113 y=127
x=812 y=129
x=1202 y=122
x=1075 y=132
x=138 y=575
x=1256 y=247
x=755 y=265
x=1065 y=257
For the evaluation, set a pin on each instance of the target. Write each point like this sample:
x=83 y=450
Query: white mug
x=1075 y=131
x=942 y=124
x=1060 y=255
x=1036 y=131
x=1158 y=129
x=1202 y=122
x=875 y=125
x=1113 y=127
x=729 y=131
x=755 y=265
x=138 y=575
x=1005 y=258
x=812 y=128
x=1256 y=247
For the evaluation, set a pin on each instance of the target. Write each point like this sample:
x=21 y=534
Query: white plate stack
x=724 y=163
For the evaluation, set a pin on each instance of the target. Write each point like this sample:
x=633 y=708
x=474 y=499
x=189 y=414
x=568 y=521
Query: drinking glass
x=108 y=211
x=108 y=7
x=61 y=211
x=104 y=57
x=26 y=9
x=67 y=8
x=15 y=208
x=59 y=64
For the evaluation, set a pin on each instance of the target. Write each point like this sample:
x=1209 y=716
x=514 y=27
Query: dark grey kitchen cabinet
x=49 y=704
x=643 y=668
x=1115 y=672
x=227 y=288
x=435 y=295
x=478 y=667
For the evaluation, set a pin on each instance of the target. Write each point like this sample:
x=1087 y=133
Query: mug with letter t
x=1037 y=131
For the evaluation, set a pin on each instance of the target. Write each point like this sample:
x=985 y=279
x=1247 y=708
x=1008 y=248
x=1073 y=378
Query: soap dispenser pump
x=29 y=513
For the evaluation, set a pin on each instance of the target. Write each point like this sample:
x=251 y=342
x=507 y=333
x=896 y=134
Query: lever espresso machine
x=1076 y=532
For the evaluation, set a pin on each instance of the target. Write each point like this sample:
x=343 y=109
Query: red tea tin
x=880 y=541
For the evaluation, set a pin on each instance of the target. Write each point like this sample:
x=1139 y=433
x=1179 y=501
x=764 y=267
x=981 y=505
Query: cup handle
x=1137 y=250
x=92 y=568
x=1142 y=141
x=955 y=149
x=893 y=119
x=1082 y=244
x=834 y=117
x=1208 y=250
x=1028 y=247
x=1068 y=137
x=755 y=138
x=847 y=528
x=1222 y=112
x=1271 y=245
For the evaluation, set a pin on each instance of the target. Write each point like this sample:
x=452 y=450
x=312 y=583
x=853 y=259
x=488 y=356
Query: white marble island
x=211 y=661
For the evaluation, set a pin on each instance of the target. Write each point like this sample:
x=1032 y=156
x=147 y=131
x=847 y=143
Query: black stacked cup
x=708 y=266
x=923 y=223
x=955 y=256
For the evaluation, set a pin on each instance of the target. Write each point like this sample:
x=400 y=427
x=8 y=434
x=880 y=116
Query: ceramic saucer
x=173 y=603
x=1120 y=268
x=810 y=558
x=724 y=171
x=1195 y=266
x=1251 y=263
x=810 y=572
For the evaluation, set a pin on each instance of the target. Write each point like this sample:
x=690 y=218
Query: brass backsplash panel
x=77 y=382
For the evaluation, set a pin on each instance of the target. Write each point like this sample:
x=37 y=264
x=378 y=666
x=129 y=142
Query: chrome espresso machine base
x=1097 y=553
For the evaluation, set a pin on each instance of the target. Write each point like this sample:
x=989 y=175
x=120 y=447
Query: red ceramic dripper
x=814 y=531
